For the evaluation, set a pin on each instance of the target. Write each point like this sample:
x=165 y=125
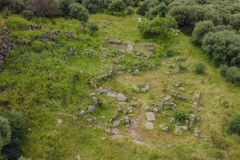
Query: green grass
x=47 y=83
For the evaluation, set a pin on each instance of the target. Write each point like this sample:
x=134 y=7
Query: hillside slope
x=88 y=95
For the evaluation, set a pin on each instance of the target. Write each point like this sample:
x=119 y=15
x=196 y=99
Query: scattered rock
x=109 y=94
x=102 y=90
x=121 y=97
x=149 y=125
x=196 y=132
x=59 y=122
x=115 y=131
x=118 y=136
x=150 y=116
x=138 y=142
x=103 y=117
x=90 y=109
x=172 y=120
x=82 y=112
x=78 y=157
x=164 y=127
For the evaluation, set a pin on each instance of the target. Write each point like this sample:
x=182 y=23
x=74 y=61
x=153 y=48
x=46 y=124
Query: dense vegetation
x=57 y=50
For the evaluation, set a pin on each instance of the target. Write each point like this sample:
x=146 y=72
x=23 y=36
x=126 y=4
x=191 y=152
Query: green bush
x=17 y=23
x=27 y=14
x=13 y=149
x=159 y=10
x=234 y=125
x=182 y=67
x=64 y=6
x=158 y=27
x=233 y=75
x=79 y=12
x=92 y=26
x=180 y=115
x=201 y=28
x=94 y=6
x=147 y=4
x=130 y=10
x=116 y=6
x=5 y=132
x=223 y=47
x=43 y=8
x=200 y=68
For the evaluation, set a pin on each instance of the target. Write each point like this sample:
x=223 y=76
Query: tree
x=235 y=21
x=159 y=10
x=180 y=14
x=130 y=10
x=233 y=75
x=116 y=6
x=43 y=8
x=79 y=12
x=147 y=4
x=201 y=28
x=64 y=6
x=94 y=6
x=13 y=149
x=5 y=132
x=223 y=47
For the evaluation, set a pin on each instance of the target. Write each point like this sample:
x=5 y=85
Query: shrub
x=130 y=10
x=223 y=47
x=223 y=70
x=180 y=115
x=235 y=21
x=79 y=12
x=94 y=6
x=200 y=68
x=64 y=6
x=92 y=26
x=201 y=28
x=27 y=14
x=16 y=6
x=182 y=67
x=158 y=27
x=5 y=132
x=234 y=125
x=147 y=4
x=179 y=13
x=17 y=23
x=116 y=6
x=13 y=149
x=233 y=75
x=159 y=10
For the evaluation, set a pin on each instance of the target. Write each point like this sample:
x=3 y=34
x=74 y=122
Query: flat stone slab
x=118 y=136
x=115 y=131
x=138 y=142
x=149 y=125
x=150 y=116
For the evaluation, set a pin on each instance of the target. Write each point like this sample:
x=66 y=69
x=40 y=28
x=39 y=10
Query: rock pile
x=6 y=42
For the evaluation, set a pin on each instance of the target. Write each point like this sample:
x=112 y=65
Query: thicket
x=12 y=129
x=158 y=27
x=213 y=25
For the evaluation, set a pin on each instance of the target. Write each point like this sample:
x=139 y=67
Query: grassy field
x=47 y=82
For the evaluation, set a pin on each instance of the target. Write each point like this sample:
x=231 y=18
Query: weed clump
x=234 y=125
x=180 y=115
x=200 y=68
